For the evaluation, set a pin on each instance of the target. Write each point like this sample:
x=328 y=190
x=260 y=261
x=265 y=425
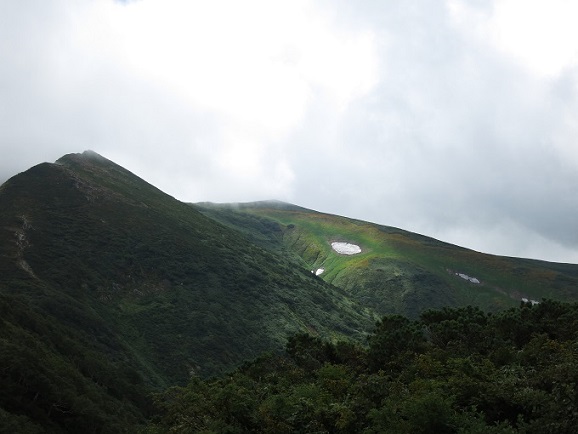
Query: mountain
x=396 y=271
x=110 y=289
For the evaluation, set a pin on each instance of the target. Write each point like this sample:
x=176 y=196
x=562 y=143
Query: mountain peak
x=83 y=157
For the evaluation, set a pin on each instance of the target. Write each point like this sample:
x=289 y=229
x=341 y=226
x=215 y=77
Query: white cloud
x=540 y=34
x=254 y=62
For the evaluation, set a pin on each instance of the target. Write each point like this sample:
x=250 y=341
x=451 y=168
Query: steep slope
x=397 y=271
x=109 y=287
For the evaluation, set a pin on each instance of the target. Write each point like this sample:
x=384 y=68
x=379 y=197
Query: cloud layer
x=455 y=119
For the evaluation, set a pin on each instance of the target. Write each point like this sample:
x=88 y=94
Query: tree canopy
x=450 y=371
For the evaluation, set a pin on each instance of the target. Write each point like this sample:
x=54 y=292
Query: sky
x=454 y=119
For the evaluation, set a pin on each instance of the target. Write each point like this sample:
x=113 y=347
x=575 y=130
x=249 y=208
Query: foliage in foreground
x=450 y=371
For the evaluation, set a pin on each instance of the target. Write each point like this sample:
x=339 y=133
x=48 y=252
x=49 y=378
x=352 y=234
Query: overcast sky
x=454 y=119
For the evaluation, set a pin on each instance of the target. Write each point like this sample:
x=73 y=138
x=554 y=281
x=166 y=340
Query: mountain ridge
x=399 y=264
x=280 y=204
x=111 y=289
x=128 y=290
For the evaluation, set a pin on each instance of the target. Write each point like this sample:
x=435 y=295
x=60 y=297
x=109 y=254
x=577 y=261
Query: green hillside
x=109 y=289
x=397 y=271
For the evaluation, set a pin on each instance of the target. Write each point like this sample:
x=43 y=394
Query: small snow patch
x=466 y=277
x=346 y=248
x=534 y=302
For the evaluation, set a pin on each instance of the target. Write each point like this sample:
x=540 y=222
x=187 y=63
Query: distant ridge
x=271 y=203
x=397 y=271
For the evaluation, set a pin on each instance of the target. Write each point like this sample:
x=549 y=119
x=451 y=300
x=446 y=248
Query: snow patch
x=346 y=248
x=534 y=302
x=466 y=277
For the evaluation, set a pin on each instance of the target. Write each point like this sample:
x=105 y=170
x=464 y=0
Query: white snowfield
x=346 y=248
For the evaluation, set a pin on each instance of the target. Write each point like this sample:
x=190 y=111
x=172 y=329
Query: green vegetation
x=58 y=378
x=112 y=289
x=397 y=271
x=112 y=292
x=450 y=371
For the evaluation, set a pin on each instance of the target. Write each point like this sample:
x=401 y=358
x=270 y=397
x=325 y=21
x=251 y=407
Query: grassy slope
x=109 y=275
x=399 y=271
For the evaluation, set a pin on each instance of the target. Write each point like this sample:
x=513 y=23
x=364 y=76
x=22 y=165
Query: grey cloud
x=454 y=136
x=455 y=139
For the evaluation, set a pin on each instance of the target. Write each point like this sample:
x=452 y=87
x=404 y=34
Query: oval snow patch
x=346 y=248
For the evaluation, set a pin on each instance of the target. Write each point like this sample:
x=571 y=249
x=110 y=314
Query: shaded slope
x=399 y=271
x=123 y=281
